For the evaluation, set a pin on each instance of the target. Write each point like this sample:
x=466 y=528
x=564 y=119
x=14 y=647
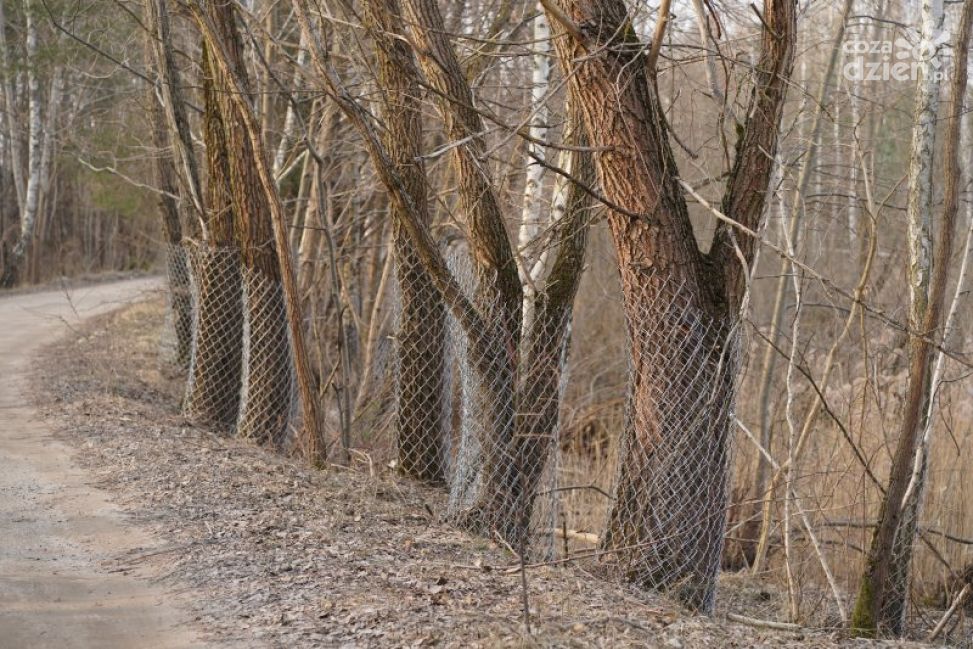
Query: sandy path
x=56 y=529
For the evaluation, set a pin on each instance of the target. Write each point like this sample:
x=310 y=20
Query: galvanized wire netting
x=474 y=400
x=665 y=529
x=508 y=393
x=661 y=523
x=267 y=397
x=421 y=370
x=475 y=409
x=622 y=463
x=215 y=369
x=240 y=366
x=177 y=332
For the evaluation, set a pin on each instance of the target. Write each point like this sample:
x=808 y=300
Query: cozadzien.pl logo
x=897 y=60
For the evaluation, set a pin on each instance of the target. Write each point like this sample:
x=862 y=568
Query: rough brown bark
x=174 y=108
x=213 y=389
x=310 y=441
x=421 y=340
x=498 y=291
x=666 y=526
x=266 y=402
x=180 y=298
x=497 y=280
x=492 y=319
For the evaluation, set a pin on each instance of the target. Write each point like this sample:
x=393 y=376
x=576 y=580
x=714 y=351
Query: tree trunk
x=544 y=345
x=28 y=213
x=420 y=427
x=498 y=293
x=174 y=109
x=490 y=321
x=666 y=525
x=531 y=221
x=259 y=208
x=180 y=294
x=215 y=374
x=884 y=589
x=265 y=404
x=213 y=388
x=15 y=158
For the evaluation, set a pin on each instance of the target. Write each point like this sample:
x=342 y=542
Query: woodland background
x=108 y=161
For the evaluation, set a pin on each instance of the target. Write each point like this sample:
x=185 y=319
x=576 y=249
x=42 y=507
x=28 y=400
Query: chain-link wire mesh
x=241 y=367
x=510 y=384
x=177 y=332
x=666 y=525
x=215 y=369
x=478 y=402
x=624 y=464
x=267 y=397
x=475 y=410
x=420 y=367
x=497 y=405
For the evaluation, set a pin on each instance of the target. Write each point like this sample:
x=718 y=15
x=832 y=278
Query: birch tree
x=40 y=141
x=883 y=592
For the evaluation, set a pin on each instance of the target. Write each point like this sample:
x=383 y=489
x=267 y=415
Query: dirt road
x=57 y=530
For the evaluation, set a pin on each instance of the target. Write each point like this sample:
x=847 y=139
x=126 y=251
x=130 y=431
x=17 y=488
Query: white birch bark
x=919 y=207
x=10 y=115
x=531 y=222
x=949 y=326
x=35 y=143
x=54 y=98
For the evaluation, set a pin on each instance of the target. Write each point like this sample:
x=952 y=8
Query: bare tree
x=265 y=404
x=170 y=91
x=40 y=143
x=421 y=345
x=274 y=341
x=658 y=493
x=172 y=211
x=492 y=319
x=213 y=389
x=884 y=588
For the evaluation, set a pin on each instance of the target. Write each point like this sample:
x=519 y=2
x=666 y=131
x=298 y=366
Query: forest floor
x=267 y=553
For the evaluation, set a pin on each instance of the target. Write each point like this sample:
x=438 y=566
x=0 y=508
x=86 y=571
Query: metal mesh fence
x=624 y=464
x=666 y=524
x=215 y=369
x=476 y=403
x=481 y=409
x=477 y=410
x=421 y=377
x=177 y=332
x=663 y=523
x=267 y=395
x=240 y=365
x=508 y=396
